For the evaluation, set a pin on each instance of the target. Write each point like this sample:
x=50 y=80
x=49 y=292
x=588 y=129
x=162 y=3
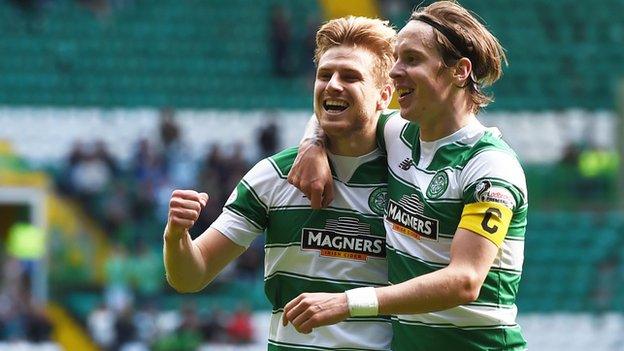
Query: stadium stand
x=199 y=54
x=75 y=73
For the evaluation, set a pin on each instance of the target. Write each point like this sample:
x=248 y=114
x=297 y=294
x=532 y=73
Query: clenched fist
x=184 y=209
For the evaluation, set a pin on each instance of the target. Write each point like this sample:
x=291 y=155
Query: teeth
x=336 y=103
x=404 y=91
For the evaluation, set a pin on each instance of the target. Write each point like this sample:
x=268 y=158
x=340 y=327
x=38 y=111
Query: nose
x=396 y=70
x=334 y=83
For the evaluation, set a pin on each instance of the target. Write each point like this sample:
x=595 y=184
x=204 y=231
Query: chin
x=408 y=114
x=334 y=129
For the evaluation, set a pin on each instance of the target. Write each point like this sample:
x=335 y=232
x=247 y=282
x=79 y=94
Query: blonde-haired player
x=335 y=249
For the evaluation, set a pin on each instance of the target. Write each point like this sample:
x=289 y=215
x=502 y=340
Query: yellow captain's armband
x=488 y=219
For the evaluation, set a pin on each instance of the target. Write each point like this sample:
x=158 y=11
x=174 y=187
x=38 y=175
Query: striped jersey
x=330 y=250
x=429 y=183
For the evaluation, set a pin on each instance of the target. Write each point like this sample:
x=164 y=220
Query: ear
x=385 y=97
x=462 y=71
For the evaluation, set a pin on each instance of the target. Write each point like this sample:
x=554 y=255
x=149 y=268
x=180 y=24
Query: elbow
x=183 y=288
x=469 y=287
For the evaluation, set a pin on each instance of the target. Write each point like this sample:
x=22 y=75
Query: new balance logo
x=406 y=164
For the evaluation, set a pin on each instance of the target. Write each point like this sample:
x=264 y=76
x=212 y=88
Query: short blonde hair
x=459 y=35
x=373 y=34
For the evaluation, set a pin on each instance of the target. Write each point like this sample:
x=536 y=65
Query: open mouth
x=335 y=106
x=403 y=92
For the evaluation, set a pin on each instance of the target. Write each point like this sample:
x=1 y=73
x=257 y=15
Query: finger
x=316 y=196
x=328 y=195
x=182 y=213
x=315 y=200
x=294 y=180
x=311 y=323
x=289 y=306
x=293 y=308
x=203 y=199
x=177 y=202
x=302 y=317
x=187 y=194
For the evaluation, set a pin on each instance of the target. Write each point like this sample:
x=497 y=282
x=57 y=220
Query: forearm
x=184 y=264
x=440 y=290
x=313 y=133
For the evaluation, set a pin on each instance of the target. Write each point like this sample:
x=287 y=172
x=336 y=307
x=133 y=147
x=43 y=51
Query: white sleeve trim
x=392 y=129
x=494 y=164
x=236 y=228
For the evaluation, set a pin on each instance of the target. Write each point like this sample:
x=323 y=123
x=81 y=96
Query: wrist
x=316 y=141
x=362 y=302
x=172 y=235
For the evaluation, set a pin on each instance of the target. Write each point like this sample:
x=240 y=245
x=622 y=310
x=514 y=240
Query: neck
x=446 y=122
x=356 y=144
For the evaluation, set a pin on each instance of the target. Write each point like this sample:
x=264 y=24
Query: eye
x=323 y=76
x=410 y=60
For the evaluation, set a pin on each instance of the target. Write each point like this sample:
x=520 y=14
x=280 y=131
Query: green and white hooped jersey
x=329 y=250
x=428 y=185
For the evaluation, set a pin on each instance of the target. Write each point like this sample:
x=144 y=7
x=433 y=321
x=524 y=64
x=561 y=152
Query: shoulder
x=391 y=119
x=282 y=162
x=494 y=171
x=392 y=127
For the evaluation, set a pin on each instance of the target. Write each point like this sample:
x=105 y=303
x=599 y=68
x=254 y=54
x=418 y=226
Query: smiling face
x=347 y=95
x=422 y=82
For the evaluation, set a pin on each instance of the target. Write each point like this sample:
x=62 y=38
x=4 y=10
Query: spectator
x=268 y=137
x=90 y=176
x=280 y=41
x=117 y=291
x=101 y=325
x=240 y=327
x=148 y=273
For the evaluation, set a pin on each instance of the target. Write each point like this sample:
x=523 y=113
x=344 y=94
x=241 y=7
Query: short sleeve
x=494 y=190
x=245 y=214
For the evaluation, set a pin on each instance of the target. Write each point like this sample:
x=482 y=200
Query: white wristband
x=362 y=302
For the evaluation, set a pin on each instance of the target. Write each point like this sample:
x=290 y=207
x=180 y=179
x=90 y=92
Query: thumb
x=203 y=199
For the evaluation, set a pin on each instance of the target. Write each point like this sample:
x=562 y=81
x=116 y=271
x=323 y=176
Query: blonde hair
x=375 y=35
x=459 y=34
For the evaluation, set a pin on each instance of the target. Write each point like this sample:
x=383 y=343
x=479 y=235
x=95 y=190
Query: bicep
x=217 y=250
x=472 y=251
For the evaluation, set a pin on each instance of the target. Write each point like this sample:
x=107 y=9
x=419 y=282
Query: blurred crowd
x=21 y=318
x=130 y=202
x=149 y=328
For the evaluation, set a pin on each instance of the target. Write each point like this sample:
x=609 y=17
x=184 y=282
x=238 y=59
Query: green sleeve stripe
x=255 y=195
x=277 y=169
x=248 y=206
x=254 y=223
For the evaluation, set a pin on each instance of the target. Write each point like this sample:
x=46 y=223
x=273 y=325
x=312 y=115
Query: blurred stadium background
x=108 y=105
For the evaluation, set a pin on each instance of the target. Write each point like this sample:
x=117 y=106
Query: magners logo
x=344 y=238
x=407 y=218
